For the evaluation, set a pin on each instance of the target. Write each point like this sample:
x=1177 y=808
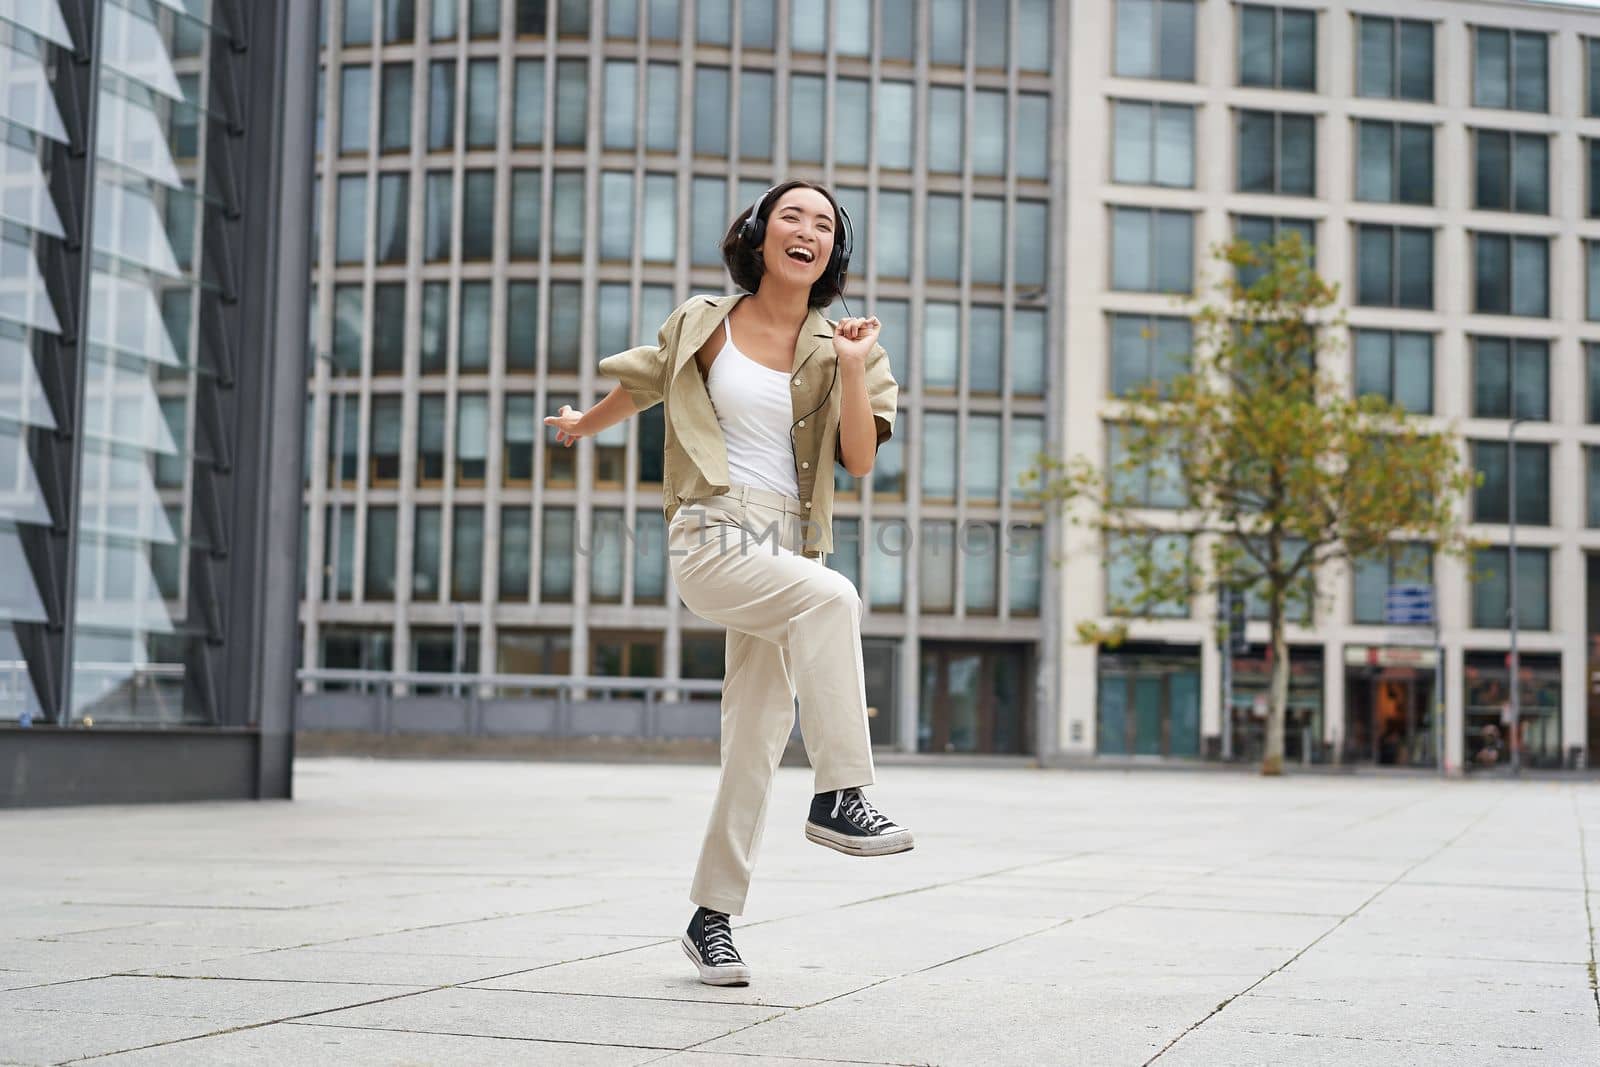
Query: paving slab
x=482 y=912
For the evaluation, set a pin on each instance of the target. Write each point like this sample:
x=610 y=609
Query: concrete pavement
x=485 y=912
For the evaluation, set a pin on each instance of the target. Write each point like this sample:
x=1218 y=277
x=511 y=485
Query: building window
x=1262 y=231
x=1396 y=365
x=945 y=129
x=516 y=553
x=1592 y=45
x=535 y=651
x=572 y=102
x=1394 y=162
x=399 y=21
x=344 y=441
x=466 y=554
x=938 y=473
x=1399 y=564
x=527 y=187
x=1592 y=304
x=895 y=124
x=1027 y=352
x=1156 y=482
x=441 y=105
x=379 y=572
x=1491 y=501
x=1148 y=349
x=383 y=450
x=483 y=17
x=349 y=319
x=1155 y=39
x=1394 y=266
x=711 y=89
x=1511 y=378
x=1277 y=47
x=566 y=215
x=944 y=238
x=1591 y=460
x=888 y=544
x=611 y=456
x=852 y=127
x=1149 y=701
x=1030 y=231
x=988 y=133
x=981 y=458
x=1027 y=442
x=388 y=328
x=618 y=113
x=357 y=23
x=1025 y=557
x=889 y=472
x=442 y=25
x=350 y=240
x=427 y=542
x=394 y=211
x=477 y=215
x=1591 y=355
x=355 y=104
x=606 y=538
x=658 y=241
x=649 y=557
x=755 y=114
x=1277 y=153
x=430 y=440
x=560 y=460
x=472 y=439
x=483 y=100
x=1395 y=58
x=1513 y=171
x=1513 y=275
x=436 y=216
x=1491 y=595
x=472 y=345
x=527 y=121
x=557 y=536
x=432 y=344
x=936 y=567
x=516 y=461
x=1154 y=144
x=1123 y=556
x=661 y=107
x=1152 y=251
x=1510 y=69
x=394 y=124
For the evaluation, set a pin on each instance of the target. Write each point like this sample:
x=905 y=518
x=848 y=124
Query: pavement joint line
x=1480 y=817
x=1385 y=1040
x=1588 y=899
x=325 y=1011
x=498 y=1037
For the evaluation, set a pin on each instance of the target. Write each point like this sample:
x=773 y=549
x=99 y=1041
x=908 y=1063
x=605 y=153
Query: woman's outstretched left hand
x=854 y=338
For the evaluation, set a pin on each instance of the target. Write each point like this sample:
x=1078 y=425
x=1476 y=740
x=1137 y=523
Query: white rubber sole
x=728 y=974
x=850 y=845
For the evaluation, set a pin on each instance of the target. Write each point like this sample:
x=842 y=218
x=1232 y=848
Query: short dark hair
x=744 y=263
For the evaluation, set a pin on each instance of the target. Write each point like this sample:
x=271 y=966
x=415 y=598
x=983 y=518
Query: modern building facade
x=513 y=190
x=154 y=172
x=1445 y=165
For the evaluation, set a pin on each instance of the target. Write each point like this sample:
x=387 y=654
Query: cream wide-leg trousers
x=794 y=629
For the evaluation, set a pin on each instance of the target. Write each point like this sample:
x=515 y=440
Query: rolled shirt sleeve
x=883 y=394
x=642 y=370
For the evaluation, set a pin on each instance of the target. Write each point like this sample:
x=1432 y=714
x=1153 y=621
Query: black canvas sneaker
x=845 y=821
x=709 y=942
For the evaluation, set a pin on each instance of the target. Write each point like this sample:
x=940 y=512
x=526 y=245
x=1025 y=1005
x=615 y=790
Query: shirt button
x=808 y=503
x=802 y=422
x=805 y=464
x=799 y=382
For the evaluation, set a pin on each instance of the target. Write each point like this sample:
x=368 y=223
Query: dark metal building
x=155 y=183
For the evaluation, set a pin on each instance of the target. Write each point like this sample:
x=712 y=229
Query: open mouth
x=800 y=255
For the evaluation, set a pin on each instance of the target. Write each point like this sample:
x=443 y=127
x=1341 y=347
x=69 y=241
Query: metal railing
x=507 y=705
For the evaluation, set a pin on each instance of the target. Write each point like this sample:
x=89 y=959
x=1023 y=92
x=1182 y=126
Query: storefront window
x=1488 y=710
x=1150 y=701
x=1252 y=697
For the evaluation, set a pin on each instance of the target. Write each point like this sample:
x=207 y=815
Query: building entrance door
x=1390 y=717
x=974 y=698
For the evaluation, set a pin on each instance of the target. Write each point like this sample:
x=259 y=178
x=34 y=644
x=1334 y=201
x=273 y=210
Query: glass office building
x=512 y=190
x=154 y=155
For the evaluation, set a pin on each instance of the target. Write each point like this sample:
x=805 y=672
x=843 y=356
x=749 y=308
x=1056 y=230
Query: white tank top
x=755 y=413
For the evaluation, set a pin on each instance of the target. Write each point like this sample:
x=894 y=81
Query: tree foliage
x=1260 y=461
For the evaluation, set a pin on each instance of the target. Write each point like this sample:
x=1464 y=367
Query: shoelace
x=719 y=941
x=858 y=811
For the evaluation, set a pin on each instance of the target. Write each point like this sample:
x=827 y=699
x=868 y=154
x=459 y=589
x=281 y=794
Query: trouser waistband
x=754 y=495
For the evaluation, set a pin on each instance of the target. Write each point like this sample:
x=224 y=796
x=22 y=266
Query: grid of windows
x=474 y=285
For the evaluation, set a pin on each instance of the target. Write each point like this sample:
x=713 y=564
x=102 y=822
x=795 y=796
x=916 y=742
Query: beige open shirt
x=696 y=460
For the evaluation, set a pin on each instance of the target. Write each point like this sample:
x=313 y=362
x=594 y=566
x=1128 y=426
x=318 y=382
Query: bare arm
x=571 y=425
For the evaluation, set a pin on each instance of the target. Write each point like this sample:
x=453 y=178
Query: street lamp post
x=1514 y=666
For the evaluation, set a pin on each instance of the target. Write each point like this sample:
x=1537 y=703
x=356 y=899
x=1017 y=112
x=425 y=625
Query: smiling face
x=799 y=238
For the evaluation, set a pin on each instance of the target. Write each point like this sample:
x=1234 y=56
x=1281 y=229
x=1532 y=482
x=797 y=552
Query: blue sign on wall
x=1408 y=605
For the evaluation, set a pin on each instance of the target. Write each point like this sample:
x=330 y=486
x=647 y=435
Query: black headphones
x=753 y=230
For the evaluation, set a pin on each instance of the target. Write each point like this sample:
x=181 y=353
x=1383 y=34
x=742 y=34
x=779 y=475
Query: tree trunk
x=1272 y=757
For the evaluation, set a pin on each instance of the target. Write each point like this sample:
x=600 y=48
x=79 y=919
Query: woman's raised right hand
x=566 y=423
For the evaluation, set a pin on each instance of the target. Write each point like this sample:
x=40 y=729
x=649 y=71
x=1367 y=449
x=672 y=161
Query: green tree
x=1268 y=465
